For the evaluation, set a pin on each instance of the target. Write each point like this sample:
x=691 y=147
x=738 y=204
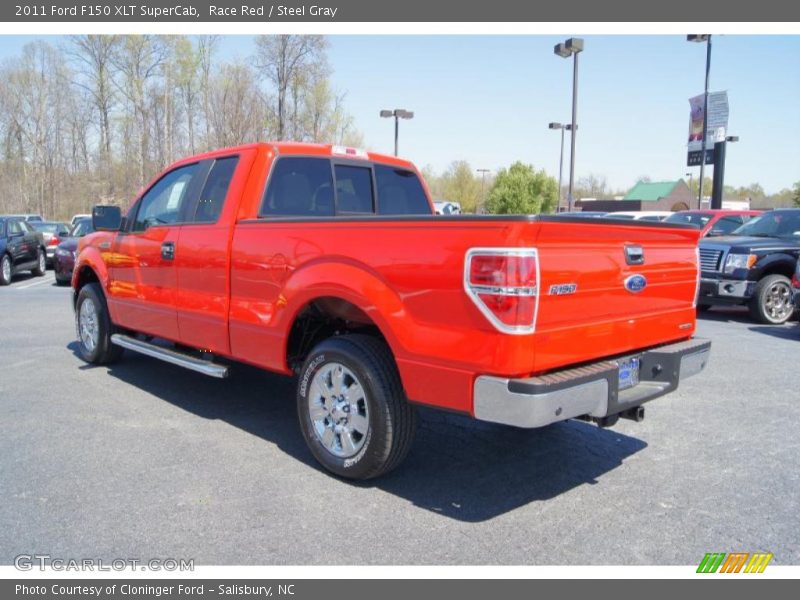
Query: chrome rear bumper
x=591 y=390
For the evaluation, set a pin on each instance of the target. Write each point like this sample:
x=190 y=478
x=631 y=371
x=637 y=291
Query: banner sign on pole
x=718 y=111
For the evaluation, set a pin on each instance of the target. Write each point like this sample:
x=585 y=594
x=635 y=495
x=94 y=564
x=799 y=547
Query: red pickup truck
x=327 y=263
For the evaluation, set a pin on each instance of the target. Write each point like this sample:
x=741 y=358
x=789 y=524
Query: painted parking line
x=35 y=283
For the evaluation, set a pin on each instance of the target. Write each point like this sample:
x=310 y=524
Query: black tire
x=63 y=280
x=392 y=420
x=5 y=269
x=768 y=304
x=703 y=308
x=41 y=263
x=103 y=351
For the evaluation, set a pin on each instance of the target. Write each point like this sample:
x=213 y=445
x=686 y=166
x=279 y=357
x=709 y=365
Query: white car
x=76 y=218
x=640 y=215
x=445 y=207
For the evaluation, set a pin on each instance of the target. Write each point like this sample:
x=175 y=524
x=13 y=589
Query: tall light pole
x=483 y=173
x=690 y=175
x=397 y=113
x=707 y=39
x=566 y=127
x=571 y=47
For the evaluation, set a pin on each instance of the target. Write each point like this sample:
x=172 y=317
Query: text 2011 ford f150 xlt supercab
x=327 y=263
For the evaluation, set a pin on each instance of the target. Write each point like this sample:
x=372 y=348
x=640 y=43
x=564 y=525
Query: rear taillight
x=53 y=241
x=503 y=284
x=796 y=276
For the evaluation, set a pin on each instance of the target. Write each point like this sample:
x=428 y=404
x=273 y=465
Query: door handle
x=168 y=250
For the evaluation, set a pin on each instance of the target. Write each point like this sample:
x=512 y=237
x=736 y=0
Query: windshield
x=82 y=227
x=773 y=224
x=697 y=219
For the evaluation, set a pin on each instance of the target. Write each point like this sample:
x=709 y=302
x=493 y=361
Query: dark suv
x=753 y=266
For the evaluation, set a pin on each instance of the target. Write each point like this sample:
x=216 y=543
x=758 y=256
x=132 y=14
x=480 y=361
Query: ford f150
x=753 y=266
x=327 y=264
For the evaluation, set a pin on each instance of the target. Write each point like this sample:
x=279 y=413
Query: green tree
x=521 y=189
x=459 y=184
x=796 y=192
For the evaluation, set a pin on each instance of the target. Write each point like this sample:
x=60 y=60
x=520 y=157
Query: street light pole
x=397 y=113
x=483 y=173
x=560 y=158
x=690 y=175
x=573 y=46
x=707 y=39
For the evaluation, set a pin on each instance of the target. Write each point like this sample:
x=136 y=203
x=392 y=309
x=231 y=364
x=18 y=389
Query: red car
x=327 y=263
x=714 y=222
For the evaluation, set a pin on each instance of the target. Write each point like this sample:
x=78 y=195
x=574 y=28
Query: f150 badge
x=562 y=289
x=635 y=283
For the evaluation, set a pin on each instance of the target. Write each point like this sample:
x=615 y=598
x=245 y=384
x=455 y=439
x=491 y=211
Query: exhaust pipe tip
x=634 y=414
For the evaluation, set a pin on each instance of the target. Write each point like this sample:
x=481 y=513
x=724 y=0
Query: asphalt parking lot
x=144 y=459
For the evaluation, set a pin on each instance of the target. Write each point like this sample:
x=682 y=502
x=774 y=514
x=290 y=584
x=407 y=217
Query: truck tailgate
x=609 y=289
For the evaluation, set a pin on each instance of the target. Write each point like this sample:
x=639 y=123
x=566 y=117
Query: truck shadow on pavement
x=458 y=467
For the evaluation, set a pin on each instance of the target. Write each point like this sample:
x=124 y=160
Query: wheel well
x=85 y=275
x=323 y=318
x=781 y=268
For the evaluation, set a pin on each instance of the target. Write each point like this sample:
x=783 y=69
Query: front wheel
x=5 y=270
x=94 y=326
x=41 y=264
x=352 y=409
x=772 y=301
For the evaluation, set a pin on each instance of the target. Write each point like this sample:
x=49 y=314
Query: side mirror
x=106 y=218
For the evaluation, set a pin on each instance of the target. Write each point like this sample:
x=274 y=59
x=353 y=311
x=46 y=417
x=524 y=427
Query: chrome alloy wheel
x=87 y=325
x=42 y=261
x=778 y=302
x=6 y=269
x=338 y=409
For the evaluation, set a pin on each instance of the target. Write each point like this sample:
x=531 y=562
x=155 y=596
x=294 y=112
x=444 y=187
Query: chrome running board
x=171 y=356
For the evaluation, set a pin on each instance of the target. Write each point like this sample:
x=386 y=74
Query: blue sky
x=488 y=99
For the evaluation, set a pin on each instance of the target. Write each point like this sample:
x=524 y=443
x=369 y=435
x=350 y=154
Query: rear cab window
x=301 y=187
x=323 y=187
x=400 y=192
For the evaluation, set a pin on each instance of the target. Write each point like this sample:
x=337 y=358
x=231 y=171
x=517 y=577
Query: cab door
x=142 y=276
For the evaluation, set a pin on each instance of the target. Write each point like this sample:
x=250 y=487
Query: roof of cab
x=306 y=149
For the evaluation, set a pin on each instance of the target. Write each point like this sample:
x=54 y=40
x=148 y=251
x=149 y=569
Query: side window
x=215 y=190
x=400 y=192
x=300 y=187
x=25 y=227
x=727 y=224
x=161 y=204
x=13 y=227
x=354 y=190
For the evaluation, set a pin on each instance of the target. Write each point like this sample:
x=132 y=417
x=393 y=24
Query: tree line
x=474 y=189
x=94 y=118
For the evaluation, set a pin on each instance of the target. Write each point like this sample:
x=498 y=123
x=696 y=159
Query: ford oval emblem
x=635 y=283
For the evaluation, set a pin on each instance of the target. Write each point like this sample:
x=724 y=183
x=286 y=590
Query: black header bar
x=343 y=11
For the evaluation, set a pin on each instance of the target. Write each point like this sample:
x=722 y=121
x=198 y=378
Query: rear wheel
x=772 y=301
x=5 y=270
x=352 y=409
x=41 y=264
x=94 y=326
